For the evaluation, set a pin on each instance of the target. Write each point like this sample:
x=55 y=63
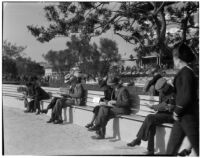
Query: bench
x=124 y=127
x=139 y=113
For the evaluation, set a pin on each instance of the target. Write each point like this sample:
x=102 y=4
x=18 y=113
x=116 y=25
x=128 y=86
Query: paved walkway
x=28 y=134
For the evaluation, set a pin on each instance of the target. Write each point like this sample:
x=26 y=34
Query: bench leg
x=41 y=105
x=116 y=133
x=65 y=114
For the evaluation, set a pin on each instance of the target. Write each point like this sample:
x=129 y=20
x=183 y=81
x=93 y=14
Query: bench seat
x=124 y=127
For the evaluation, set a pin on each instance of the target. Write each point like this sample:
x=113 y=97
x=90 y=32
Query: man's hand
x=103 y=103
x=175 y=116
x=111 y=103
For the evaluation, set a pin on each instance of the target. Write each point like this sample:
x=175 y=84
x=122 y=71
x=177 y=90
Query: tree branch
x=93 y=9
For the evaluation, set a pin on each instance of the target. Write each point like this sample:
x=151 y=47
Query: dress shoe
x=58 y=122
x=99 y=137
x=94 y=128
x=134 y=143
x=37 y=113
x=44 y=111
x=98 y=132
x=149 y=153
x=50 y=121
x=184 y=152
x=89 y=125
x=26 y=111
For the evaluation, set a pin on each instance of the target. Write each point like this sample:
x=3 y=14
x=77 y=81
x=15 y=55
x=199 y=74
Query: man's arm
x=78 y=92
x=125 y=101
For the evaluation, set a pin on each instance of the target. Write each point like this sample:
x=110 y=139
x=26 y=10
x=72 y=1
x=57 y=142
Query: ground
x=29 y=134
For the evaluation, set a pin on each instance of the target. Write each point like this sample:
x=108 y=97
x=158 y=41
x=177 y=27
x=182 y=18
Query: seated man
x=107 y=93
x=51 y=105
x=150 y=85
x=28 y=94
x=164 y=115
x=38 y=94
x=75 y=97
x=118 y=105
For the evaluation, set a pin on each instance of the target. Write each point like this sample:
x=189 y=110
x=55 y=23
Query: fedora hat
x=112 y=81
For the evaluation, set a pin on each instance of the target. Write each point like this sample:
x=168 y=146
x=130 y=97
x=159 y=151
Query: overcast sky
x=16 y=16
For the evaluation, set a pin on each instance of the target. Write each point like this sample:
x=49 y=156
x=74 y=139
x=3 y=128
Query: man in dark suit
x=164 y=115
x=119 y=104
x=186 y=113
x=38 y=94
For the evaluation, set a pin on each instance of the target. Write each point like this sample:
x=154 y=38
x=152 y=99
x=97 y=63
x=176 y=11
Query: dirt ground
x=28 y=134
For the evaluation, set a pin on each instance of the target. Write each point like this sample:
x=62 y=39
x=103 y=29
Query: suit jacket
x=152 y=82
x=78 y=94
x=186 y=86
x=122 y=98
x=40 y=93
x=165 y=99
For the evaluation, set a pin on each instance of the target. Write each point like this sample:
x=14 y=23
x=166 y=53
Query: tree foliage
x=15 y=64
x=61 y=60
x=80 y=52
x=9 y=66
x=12 y=50
x=28 y=68
x=140 y=23
x=184 y=14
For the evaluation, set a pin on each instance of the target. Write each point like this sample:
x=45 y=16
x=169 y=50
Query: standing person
x=186 y=113
x=107 y=97
x=39 y=94
x=119 y=105
x=75 y=97
x=164 y=115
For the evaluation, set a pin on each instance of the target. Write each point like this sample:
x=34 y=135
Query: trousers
x=105 y=113
x=148 y=129
x=37 y=101
x=52 y=103
x=30 y=106
x=188 y=126
x=57 y=109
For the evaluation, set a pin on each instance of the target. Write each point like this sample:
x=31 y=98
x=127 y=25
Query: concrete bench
x=124 y=127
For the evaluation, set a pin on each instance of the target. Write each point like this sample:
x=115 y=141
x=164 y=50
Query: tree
x=109 y=54
x=12 y=50
x=92 y=66
x=9 y=66
x=15 y=64
x=62 y=60
x=140 y=23
x=183 y=14
x=26 y=67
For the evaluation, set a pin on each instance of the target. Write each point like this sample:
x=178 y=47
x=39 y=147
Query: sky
x=16 y=17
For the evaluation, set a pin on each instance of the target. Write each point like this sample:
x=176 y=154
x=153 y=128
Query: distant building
x=135 y=61
x=47 y=68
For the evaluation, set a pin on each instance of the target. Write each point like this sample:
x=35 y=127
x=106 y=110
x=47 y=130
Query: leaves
x=142 y=23
x=12 y=50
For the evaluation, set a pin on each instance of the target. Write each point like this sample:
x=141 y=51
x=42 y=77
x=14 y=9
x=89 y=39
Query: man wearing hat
x=51 y=105
x=107 y=97
x=119 y=104
x=164 y=115
x=75 y=97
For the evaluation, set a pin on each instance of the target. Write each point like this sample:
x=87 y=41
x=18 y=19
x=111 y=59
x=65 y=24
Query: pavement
x=29 y=134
